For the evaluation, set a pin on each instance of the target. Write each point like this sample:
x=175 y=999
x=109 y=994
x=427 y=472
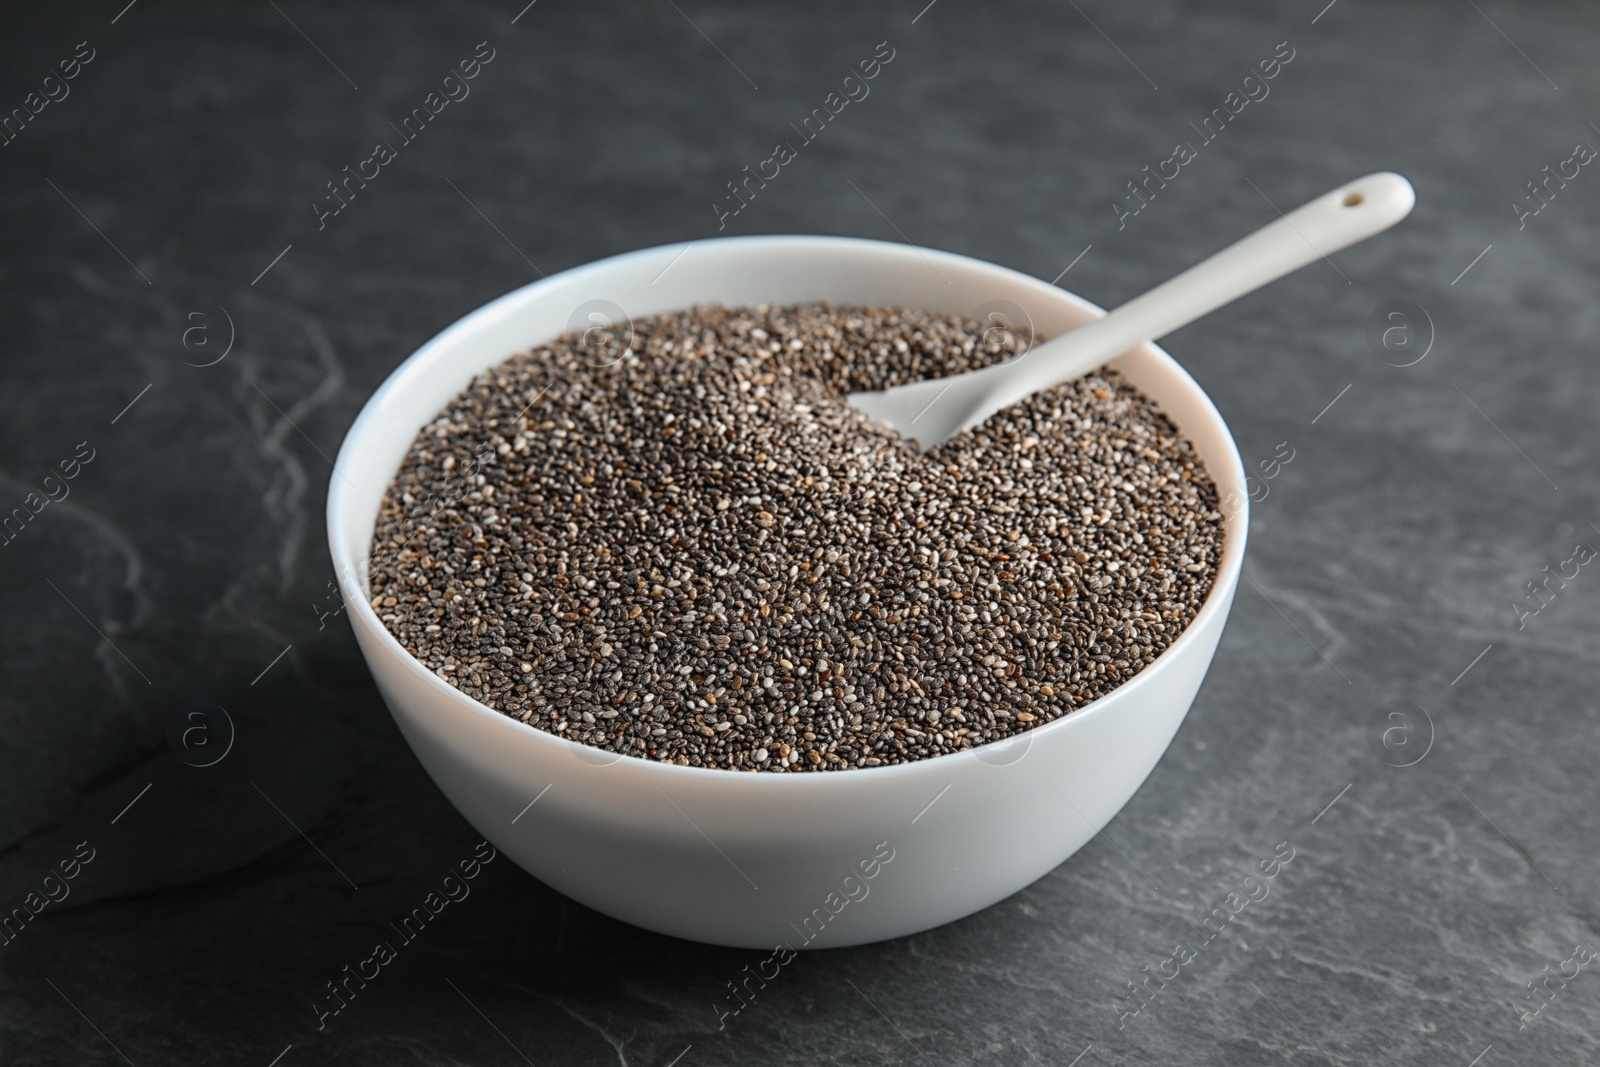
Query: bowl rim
x=351 y=572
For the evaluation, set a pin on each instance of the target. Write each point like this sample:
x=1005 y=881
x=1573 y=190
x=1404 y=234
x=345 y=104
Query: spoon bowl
x=758 y=860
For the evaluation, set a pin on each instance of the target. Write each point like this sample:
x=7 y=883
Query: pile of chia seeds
x=676 y=541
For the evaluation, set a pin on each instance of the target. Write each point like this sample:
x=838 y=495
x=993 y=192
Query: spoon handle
x=1337 y=219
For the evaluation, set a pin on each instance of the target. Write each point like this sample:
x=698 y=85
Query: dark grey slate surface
x=1384 y=561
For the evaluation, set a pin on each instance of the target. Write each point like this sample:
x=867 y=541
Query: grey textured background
x=1385 y=558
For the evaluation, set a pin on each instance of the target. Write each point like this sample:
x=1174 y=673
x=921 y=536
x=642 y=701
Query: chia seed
x=676 y=541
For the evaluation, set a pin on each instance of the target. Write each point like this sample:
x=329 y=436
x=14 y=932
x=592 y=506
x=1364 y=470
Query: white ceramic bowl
x=760 y=860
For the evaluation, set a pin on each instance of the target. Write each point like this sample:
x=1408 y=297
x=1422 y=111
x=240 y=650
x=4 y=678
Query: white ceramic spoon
x=934 y=410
